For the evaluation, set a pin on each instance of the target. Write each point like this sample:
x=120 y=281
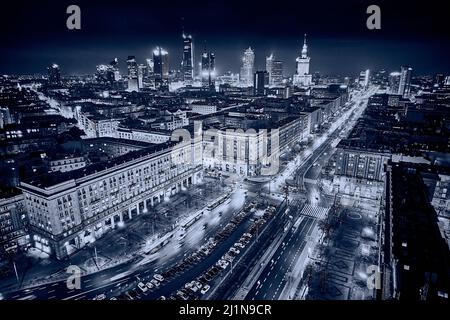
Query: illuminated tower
x=405 y=81
x=248 y=61
x=188 y=59
x=302 y=76
x=132 y=74
x=208 y=70
x=275 y=70
x=161 y=68
x=54 y=75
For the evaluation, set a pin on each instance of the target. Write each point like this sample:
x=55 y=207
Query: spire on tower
x=305 y=48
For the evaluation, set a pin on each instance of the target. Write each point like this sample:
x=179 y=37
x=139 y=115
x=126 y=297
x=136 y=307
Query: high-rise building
x=405 y=81
x=54 y=75
x=302 y=76
x=260 y=81
x=142 y=72
x=248 y=61
x=275 y=70
x=161 y=68
x=364 y=78
x=149 y=77
x=133 y=84
x=115 y=69
x=208 y=70
x=188 y=59
x=394 y=82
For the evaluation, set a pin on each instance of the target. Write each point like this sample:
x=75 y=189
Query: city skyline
x=107 y=33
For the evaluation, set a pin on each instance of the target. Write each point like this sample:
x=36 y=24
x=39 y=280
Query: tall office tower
x=188 y=59
x=302 y=76
x=364 y=78
x=161 y=68
x=260 y=81
x=115 y=69
x=275 y=70
x=133 y=72
x=54 y=75
x=269 y=66
x=248 y=61
x=208 y=70
x=405 y=81
x=394 y=82
x=149 y=79
x=142 y=72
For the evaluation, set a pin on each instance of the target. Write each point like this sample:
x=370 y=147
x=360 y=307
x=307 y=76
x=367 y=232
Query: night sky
x=34 y=34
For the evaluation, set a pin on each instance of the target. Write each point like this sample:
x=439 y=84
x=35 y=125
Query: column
x=129 y=213
x=112 y=222
x=145 y=206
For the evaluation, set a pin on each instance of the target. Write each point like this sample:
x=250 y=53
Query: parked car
x=149 y=285
x=142 y=287
x=205 y=289
x=155 y=282
x=158 y=277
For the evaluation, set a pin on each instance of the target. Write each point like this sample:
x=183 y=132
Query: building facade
x=247 y=67
x=188 y=59
x=302 y=76
x=68 y=211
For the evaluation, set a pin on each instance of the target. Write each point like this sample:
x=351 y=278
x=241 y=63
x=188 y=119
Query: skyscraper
x=142 y=72
x=248 y=61
x=275 y=70
x=260 y=81
x=208 y=70
x=302 y=76
x=149 y=79
x=161 y=68
x=394 y=82
x=405 y=81
x=133 y=84
x=54 y=75
x=114 y=65
x=364 y=78
x=188 y=59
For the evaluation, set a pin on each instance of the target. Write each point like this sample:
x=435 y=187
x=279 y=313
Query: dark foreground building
x=416 y=256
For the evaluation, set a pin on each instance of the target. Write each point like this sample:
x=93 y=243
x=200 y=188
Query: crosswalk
x=314 y=211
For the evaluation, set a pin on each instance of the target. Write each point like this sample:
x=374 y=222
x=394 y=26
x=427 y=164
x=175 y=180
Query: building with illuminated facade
x=247 y=67
x=72 y=209
x=302 y=76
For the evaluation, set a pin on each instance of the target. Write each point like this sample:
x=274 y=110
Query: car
x=100 y=297
x=113 y=298
x=142 y=287
x=158 y=277
x=205 y=289
x=234 y=250
x=207 y=277
x=182 y=295
x=239 y=245
x=149 y=285
x=161 y=298
x=155 y=282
